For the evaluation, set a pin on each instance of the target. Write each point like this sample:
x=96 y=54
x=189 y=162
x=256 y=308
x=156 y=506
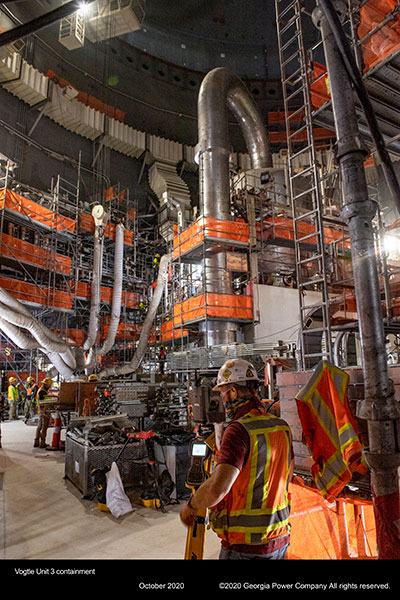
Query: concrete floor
x=44 y=516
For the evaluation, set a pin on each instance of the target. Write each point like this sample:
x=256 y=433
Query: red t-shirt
x=235 y=448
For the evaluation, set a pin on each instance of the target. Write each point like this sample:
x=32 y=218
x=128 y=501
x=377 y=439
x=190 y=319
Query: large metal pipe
x=379 y=406
x=221 y=89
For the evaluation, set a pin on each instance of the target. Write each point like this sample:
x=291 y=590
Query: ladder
x=304 y=185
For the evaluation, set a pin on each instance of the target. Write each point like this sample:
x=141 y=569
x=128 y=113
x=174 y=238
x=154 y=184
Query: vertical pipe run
x=379 y=406
x=221 y=89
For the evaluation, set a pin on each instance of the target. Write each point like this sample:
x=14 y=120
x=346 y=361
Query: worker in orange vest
x=44 y=414
x=30 y=398
x=250 y=507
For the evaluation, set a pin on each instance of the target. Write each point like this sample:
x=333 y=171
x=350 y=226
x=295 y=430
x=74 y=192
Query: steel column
x=379 y=406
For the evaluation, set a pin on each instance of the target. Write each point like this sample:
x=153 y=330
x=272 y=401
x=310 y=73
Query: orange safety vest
x=38 y=398
x=330 y=430
x=257 y=507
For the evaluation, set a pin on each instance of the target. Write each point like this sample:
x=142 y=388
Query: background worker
x=12 y=397
x=248 y=489
x=30 y=399
x=44 y=414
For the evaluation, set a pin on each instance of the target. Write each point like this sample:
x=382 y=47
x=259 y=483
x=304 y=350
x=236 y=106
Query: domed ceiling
x=154 y=73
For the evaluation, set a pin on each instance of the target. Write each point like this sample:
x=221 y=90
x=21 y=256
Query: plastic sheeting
x=343 y=529
x=225 y=306
x=208 y=228
x=12 y=201
x=19 y=250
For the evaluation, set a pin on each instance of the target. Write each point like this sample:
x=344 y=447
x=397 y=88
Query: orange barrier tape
x=206 y=227
x=214 y=305
x=386 y=40
x=86 y=223
x=344 y=529
x=32 y=210
x=34 y=255
x=28 y=292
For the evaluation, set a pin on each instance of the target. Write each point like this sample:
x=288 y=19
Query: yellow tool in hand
x=200 y=468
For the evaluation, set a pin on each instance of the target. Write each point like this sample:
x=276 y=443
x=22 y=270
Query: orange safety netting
x=76 y=336
x=32 y=210
x=343 y=529
x=129 y=331
x=386 y=39
x=86 y=223
x=282 y=227
x=29 y=292
x=206 y=227
x=168 y=332
x=82 y=290
x=227 y=306
x=89 y=100
x=320 y=90
x=34 y=255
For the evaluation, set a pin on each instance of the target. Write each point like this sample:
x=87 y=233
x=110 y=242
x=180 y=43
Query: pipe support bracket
x=361 y=208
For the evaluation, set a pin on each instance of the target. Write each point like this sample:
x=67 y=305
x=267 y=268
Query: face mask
x=233 y=404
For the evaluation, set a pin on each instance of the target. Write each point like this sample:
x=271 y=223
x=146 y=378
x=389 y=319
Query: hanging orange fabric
x=343 y=529
x=33 y=210
x=386 y=39
x=213 y=305
x=34 y=255
x=330 y=430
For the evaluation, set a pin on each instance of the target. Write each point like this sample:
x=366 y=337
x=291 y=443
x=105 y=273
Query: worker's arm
x=211 y=491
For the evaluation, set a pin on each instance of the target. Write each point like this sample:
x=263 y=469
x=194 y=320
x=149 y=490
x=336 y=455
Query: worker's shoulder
x=264 y=417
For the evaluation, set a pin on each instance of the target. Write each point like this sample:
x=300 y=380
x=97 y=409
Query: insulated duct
x=219 y=90
x=117 y=290
x=99 y=218
x=20 y=339
x=15 y=316
x=147 y=324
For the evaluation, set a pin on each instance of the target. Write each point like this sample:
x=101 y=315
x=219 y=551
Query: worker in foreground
x=44 y=415
x=248 y=489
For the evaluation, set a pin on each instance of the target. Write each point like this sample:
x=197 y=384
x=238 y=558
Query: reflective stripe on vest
x=330 y=430
x=257 y=508
x=12 y=393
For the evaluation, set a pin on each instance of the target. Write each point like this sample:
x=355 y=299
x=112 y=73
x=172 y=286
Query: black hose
x=358 y=83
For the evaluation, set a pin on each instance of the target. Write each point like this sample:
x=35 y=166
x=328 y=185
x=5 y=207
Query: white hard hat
x=235 y=370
